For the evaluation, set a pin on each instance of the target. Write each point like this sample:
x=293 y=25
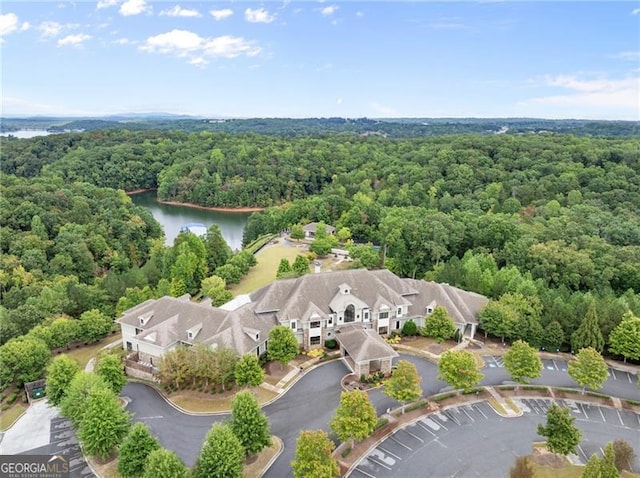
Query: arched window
x=349 y=313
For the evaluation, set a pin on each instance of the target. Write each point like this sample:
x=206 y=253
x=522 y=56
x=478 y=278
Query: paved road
x=472 y=440
x=310 y=404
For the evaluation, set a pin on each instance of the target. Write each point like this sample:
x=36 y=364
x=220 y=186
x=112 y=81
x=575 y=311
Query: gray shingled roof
x=363 y=344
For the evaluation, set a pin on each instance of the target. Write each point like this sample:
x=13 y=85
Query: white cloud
x=107 y=3
x=259 y=15
x=359 y=14
x=134 y=7
x=339 y=100
x=50 y=29
x=178 y=11
x=221 y=14
x=628 y=55
x=330 y=10
x=635 y=11
x=8 y=23
x=184 y=43
x=74 y=40
x=25 y=26
x=122 y=41
x=591 y=97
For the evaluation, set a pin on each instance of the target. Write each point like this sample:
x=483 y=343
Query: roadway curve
x=310 y=404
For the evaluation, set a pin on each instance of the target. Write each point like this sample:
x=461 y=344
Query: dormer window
x=193 y=331
x=430 y=307
x=429 y=310
x=345 y=289
x=190 y=335
x=144 y=318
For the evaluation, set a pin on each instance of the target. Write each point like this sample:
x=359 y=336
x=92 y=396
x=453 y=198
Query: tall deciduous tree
x=522 y=362
x=94 y=325
x=60 y=373
x=355 y=417
x=162 y=463
x=248 y=371
x=588 y=369
x=73 y=404
x=589 y=333
x=404 y=383
x=625 y=338
x=608 y=463
x=249 y=423
x=215 y=288
x=439 y=325
x=592 y=468
x=562 y=435
x=134 y=451
x=104 y=423
x=110 y=368
x=283 y=344
x=297 y=232
x=552 y=336
x=221 y=456
x=23 y=359
x=459 y=369
x=313 y=456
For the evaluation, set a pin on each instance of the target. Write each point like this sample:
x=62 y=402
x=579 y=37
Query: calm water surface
x=171 y=218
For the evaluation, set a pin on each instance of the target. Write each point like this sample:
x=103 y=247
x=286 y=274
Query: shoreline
x=212 y=208
x=198 y=206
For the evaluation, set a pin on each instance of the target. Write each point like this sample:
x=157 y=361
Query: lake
x=172 y=218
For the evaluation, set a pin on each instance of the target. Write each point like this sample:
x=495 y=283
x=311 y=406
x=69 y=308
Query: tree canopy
x=221 y=456
x=355 y=417
x=588 y=369
x=404 y=383
x=522 y=362
x=459 y=369
x=562 y=435
x=313 y=457
x=283 y=344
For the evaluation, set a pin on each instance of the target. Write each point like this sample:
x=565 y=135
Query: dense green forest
x=391 y=127
x=546 y=224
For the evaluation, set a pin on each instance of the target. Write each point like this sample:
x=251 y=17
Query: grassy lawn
x=264 y=272
x=569 y=471
x=7 y=417
x=256 y=467
x=84 y=354
x=199 y=402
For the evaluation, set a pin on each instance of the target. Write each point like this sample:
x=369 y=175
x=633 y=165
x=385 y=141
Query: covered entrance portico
x=364 y=351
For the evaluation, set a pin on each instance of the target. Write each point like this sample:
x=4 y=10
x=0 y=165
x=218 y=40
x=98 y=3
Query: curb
x=273 y=458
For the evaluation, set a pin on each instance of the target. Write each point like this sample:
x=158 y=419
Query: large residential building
x=314 y=306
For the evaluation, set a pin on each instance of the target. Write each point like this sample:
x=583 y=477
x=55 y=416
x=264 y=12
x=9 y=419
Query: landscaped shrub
x=12 y=398
x=409 y=329
x=330 y=344
x=472 y=391
x=380 y=423
x=444 y=396
x=315 y=353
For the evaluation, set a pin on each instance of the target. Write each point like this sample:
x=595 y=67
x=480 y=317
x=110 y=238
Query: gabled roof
x=289 y=298
x=172 y=319
x=313 y=226
x=363 y=344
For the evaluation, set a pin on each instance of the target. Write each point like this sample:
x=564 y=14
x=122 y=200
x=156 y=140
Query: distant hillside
x=385 y=127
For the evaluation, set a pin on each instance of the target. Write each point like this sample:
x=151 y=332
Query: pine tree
x=553 y=336
x=249 y=423
x=592 y=469
x=608 y=463
x=589 y=333
x=284 y=268
x=134 y=451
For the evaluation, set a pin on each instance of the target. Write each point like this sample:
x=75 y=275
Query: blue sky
x=331 y=58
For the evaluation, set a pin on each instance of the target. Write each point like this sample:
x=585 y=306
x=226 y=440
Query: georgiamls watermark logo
x=34 y=466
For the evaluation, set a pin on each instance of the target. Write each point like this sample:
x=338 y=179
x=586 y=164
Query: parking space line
x=465 y=412
x=400 y=443
x=481 y=412
x=365 y=473
x=619 y=417
x=583 y=410
x=614 y=374
x=378 y=462
x=389 y=453
x=602 y=415
x=629 y=377
x=414 y=436
x=555 y=364
x=421 y=425
x=583 y=453
x=441 y=424
x=452 y=418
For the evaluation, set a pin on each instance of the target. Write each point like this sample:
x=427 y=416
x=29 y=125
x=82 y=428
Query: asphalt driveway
x=310 y=404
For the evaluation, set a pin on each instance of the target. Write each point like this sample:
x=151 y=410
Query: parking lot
x=472 y=440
